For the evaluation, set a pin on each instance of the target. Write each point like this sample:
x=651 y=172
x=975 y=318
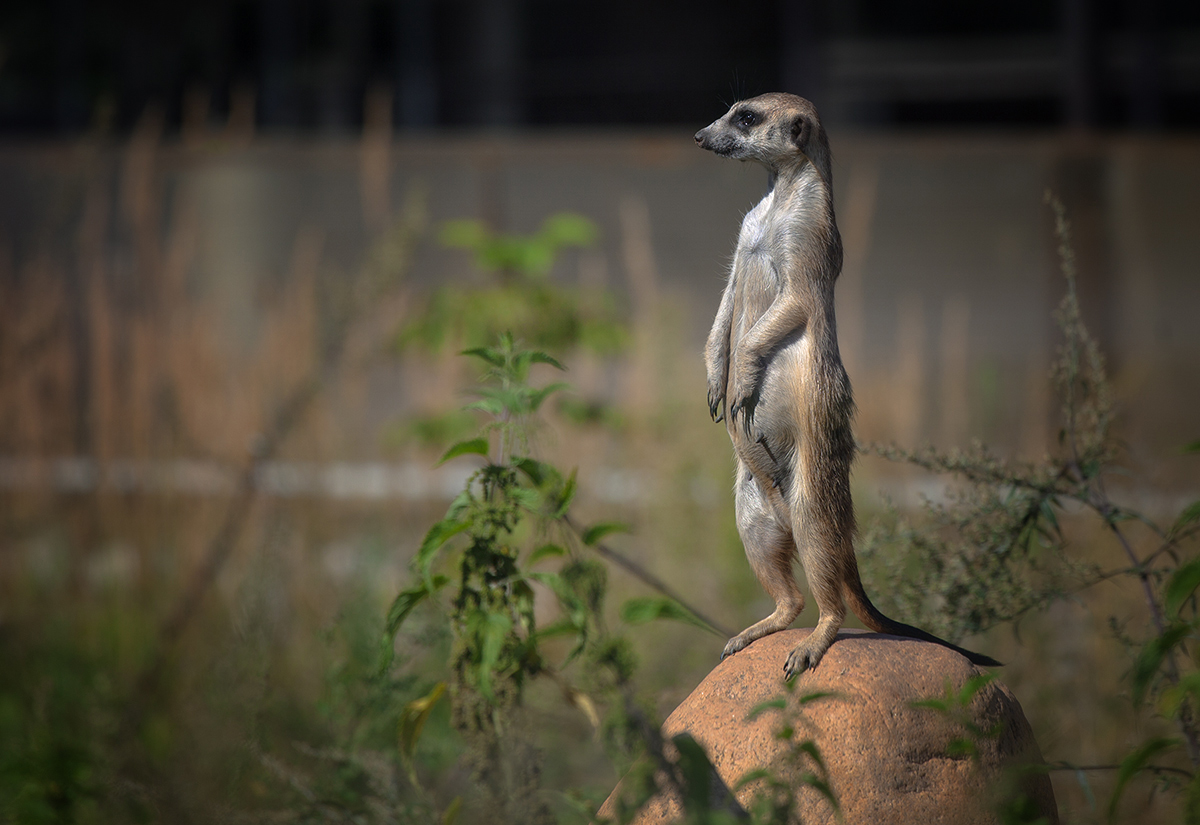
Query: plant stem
x=650 y=579
x=1184 y=717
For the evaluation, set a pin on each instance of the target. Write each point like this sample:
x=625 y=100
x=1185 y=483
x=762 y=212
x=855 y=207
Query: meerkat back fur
x=776 y=378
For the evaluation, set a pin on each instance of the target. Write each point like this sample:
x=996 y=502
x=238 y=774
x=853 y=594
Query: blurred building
x=310 y=64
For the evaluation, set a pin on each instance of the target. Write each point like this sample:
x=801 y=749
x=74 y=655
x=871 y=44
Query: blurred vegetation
x=518 y=295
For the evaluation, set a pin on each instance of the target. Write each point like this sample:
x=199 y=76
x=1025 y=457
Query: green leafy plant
x=777 y=799
x=517 y=294
x=509 y=519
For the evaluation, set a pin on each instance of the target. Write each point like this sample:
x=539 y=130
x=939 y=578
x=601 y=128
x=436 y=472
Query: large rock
x=887 y=761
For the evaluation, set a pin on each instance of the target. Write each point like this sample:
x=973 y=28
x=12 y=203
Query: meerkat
x=773 y=365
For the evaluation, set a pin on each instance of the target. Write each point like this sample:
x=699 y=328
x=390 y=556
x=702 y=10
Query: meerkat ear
x=800 y=129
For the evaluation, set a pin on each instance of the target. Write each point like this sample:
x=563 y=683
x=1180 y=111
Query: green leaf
x=816 y=696
x=962 y=746
x=778 y=703
x=1194 y=447
x=404 y=603
x=545 y=551
x=413 y=718
x=565 y=497
x=973 y=686
x=1150 y=660
x=461 y=502
x=491 y=356
x=1189 y=516
x=491 y=406
x=640 y=611
x=1046 y=508
x=438 y=535
x=570 y=601
x=810 y=747
x=538 y=472
x=563 y=627
x=538 y=357
x=476 y=446
x=452 y=811
x=407 y=600
x=524 y=497
x=552 y=581
x=495 y=630
x=536 y=397
x=752 y=776
x=822 y=787
x=697 y=772
x=598 y=531
x=1173 y=696
x=1133 y=764
x=1182 y=584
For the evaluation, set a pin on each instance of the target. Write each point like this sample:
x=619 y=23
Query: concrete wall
x=945 y=302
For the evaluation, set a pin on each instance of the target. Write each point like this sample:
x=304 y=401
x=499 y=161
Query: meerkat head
x=777 y=130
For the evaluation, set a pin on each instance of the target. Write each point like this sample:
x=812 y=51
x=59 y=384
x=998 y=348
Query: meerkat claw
x=714 y=408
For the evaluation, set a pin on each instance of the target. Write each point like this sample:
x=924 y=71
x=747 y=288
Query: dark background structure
x=70 y=65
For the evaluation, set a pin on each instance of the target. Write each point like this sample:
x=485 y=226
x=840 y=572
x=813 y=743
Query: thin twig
x=650 y=580
x=1067 y=766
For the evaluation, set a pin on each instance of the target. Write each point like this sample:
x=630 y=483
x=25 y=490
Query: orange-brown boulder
x=887 y=760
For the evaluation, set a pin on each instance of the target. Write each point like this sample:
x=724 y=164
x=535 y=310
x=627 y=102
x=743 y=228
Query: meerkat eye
x=746 y=118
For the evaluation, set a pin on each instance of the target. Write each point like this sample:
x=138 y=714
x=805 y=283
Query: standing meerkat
x=775 y=376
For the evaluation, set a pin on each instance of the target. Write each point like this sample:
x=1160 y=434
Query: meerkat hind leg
x=770 y=551
x=819 y=556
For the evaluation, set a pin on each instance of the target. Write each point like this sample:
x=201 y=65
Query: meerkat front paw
x=743 y=388
x=745 y=398
x=735 y=644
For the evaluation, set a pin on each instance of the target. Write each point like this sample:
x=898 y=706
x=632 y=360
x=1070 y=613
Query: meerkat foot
x=735 y=644
x=806 y=656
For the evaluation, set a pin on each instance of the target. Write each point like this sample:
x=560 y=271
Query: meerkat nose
x=700 y=138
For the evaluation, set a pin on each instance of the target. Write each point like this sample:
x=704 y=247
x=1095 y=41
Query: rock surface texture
x=888 y=762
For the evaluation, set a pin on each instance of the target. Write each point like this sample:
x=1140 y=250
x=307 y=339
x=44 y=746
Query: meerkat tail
x=858 y=602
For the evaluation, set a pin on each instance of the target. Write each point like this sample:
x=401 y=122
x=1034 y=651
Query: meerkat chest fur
x=779 y=252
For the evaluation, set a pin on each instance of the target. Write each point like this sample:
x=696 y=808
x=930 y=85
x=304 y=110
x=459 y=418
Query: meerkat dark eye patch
x=746 y=118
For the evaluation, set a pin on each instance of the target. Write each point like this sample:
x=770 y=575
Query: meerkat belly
x=781 y=379
x=782 y=390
